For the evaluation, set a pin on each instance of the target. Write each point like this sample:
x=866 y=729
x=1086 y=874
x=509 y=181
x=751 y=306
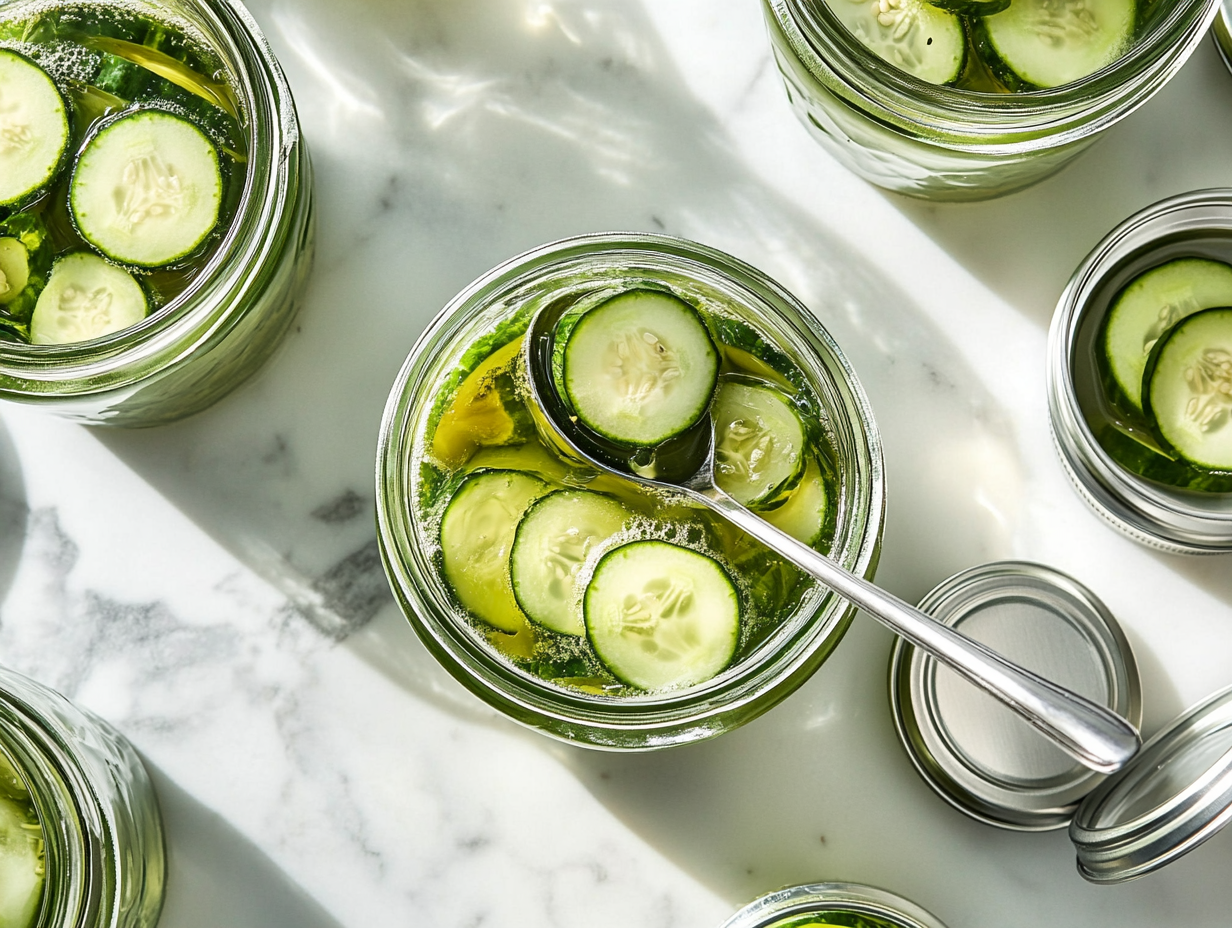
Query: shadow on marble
x=217 y=877
x=802 y=794
x=466 y=133
x=1025 y=246
x=13 y=511
x=1212 y=573
x=1161 y=701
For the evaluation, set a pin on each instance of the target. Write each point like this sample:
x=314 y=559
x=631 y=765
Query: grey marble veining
x=213 y=587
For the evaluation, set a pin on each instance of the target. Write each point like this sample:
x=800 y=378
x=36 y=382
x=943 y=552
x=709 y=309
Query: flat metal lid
x=973 y=751
x=1174 y=794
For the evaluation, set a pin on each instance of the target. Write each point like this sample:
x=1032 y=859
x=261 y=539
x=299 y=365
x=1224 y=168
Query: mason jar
x=1165 y=517
x=506 y=297
x=1222 y=32
x=216 y=333
x=846 y=904
x=89 y=804
x=942 y=143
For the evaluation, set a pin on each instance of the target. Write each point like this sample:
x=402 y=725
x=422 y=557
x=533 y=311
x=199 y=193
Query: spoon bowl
x=685 y=467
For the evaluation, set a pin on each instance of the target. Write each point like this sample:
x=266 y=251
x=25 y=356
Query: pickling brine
x=586 y=580
x=22 y=851
x=122 y=162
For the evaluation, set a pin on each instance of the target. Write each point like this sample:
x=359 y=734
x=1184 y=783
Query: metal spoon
x=1095 y=736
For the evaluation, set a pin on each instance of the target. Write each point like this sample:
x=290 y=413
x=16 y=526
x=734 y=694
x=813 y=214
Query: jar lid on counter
x=975 y=752
x=1175 y=794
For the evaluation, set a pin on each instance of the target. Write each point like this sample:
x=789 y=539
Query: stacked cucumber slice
x=997 y=45
x=1167 y=361
x=34 y=133
x=645 y=593
x=112 y=177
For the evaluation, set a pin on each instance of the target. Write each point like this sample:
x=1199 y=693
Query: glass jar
x=846 y=904
x=103 y=841
x=1223 y=32
x=215 y=334
x=1164 y=517
x=778 y=665
x=941 y=143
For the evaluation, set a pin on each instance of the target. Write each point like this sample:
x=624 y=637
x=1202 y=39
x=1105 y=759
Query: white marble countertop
x=213 y=588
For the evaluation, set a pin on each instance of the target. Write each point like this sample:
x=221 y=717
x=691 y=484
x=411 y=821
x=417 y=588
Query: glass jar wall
x=848 y=905
x=212 y=336
x=81 y=843
x=942 y=143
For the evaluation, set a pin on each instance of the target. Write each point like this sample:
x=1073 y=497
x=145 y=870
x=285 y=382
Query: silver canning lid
x=1222 y=32
x=974 y=752
x=1165 y=518
x=1174 y=794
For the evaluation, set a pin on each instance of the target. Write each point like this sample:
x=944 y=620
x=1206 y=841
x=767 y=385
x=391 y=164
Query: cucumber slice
x=553 y=541
x=1047 y=43
x=660 y=616
x=147 y=189
x=1150 y=306
x=1188 y=388
x=86 y=298
x=477 y=534
x=640 y=368
x=14 y=269
x=913 y=35
x=21 y=866
x=34 y=131
x=759 y=443
x=803 y=516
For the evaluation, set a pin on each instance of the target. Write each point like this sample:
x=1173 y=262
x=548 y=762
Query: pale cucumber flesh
x=759 y=443
x=147 y=189
x=660 y=616
x=1189 y=389
x=86 y=298
x=1151 y=305
x=477 y=534
x=1047 y=43
x=913 y=35
x=34 y=130
x=14 y=269
x=803 y=515
x=554 y=541
x=640 y=368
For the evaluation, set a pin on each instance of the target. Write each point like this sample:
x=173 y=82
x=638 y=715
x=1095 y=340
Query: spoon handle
x=1095 y=736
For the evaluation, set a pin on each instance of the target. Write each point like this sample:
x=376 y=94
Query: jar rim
x=206 y=309
x=991 y=123
x=1171 y=520
x=46 y=765
x=105 y=861
x=819 y=898
x=608 y=721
